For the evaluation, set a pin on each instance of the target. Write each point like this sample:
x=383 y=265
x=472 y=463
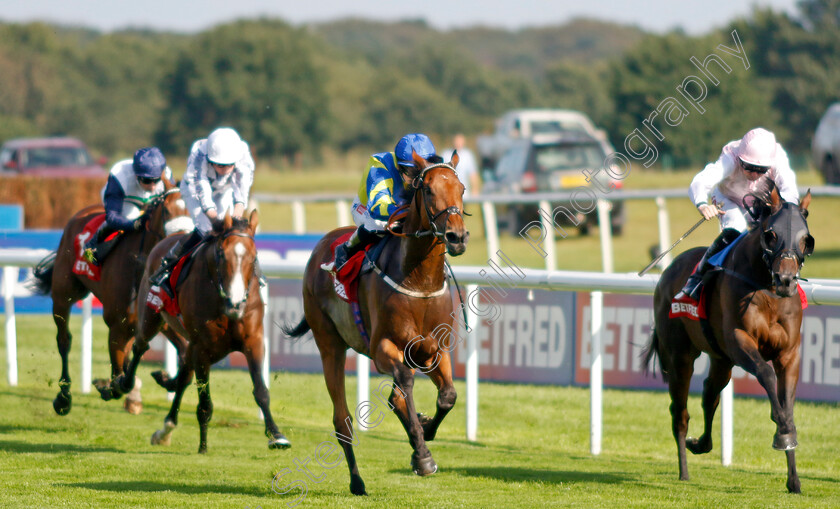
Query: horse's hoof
x=426 y=423
x=279 y=442
x=784 y=442
x=62 y=403
x=793 y=486
x=423 y=466
x=357 y=486
x=202 y=450
x=133 y=406
x=164 y=436
x=104 y=388
x=698 y=446
x=163 y=379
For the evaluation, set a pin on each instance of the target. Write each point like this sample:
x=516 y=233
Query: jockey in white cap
x=744 y=166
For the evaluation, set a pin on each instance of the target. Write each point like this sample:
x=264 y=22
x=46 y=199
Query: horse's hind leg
x=720 y=372
x=204 y=411
x=441 y=376
x=388 y=361
x=680 y=368
x=333 y=356
x=181 y=381
x=254 y=355
x=61 y=314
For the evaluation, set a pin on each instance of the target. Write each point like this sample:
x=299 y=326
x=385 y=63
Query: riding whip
x=686 y=234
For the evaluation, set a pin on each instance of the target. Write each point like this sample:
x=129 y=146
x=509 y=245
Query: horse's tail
x=42 y=274
x=651 y=352
x=296 y=331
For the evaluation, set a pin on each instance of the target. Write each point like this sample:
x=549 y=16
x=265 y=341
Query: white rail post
x=596 y=376
x=170 y=362
x=264 y=294
x=726 y=411
x=546 y=220
x=298 y=217
x=472 y=369
x=605 y=230
x=488 y=211
x=343 y=211
x=664 y=231
x=10 y=275
x=363 y=384
x=87 y=343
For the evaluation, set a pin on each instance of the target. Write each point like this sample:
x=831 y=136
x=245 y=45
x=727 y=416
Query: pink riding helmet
x=758 y=148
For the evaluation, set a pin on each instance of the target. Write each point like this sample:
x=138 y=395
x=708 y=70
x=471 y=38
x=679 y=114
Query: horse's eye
x=769 y=238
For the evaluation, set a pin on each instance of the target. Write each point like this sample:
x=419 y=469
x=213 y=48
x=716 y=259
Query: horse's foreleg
x=388 y=361
x=204 y=411
x=787 y=374
x=148 y=324
x=254 y=356
x=719 y=375
x=441 y=376
x=63 y=400
x=749 y=358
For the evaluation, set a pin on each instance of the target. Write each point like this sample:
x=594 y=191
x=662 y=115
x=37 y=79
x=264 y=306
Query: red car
x=49 y=157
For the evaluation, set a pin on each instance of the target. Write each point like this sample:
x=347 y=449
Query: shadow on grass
x=12 y=446
x=517 y=475
x=152 y=486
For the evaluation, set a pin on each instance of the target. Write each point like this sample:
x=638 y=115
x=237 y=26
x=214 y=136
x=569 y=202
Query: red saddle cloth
x=82 y=266
x=346 y=281
x=158 y=298
x=686 y=307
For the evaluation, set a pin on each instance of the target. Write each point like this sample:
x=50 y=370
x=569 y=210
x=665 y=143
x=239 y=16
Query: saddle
x=83 y=266
x=346 y=280
x=167 y=298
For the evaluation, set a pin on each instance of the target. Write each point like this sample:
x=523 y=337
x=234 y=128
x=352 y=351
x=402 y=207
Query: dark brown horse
x=221 y=312
x=754 y=315
x=116 y=289
x=400 y=321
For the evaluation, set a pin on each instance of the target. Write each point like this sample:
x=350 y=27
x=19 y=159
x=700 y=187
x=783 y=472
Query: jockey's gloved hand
x=709 y=211
x=140 y=222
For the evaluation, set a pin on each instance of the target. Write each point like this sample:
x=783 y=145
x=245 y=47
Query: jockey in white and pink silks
x=744 y=166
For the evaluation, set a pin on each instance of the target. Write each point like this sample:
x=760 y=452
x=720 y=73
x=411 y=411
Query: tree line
x=295 y=91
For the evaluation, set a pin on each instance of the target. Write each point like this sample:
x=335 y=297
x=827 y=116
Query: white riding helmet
x=758 y=148
x=224 y=147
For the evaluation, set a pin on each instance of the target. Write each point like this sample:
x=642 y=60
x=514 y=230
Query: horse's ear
x=804 y=202
x=228 y=220
x=419 y=162
x=455 y=159
x=775 y=200
x=253 y=221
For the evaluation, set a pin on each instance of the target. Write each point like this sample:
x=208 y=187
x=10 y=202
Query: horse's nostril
x=453 y=238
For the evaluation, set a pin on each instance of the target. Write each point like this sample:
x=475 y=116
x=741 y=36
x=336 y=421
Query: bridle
x=793 y=226
x=419 y=185
x=219 y=256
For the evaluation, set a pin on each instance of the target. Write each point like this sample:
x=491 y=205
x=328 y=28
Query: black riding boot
x=343 y=252
x=184 y=244
x=95 y=249
x=692 y=285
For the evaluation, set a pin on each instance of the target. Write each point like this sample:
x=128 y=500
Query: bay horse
x=116 y=289
x=754 y=315
x=221 y=312
x=404 y=311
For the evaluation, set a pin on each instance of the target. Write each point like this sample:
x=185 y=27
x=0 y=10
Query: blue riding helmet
x=417 y=141
x=149 y=163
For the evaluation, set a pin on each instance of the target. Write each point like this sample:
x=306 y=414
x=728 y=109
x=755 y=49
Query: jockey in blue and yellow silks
x=381 y=191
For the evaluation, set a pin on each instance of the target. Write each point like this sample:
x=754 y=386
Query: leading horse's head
x=168 y=212
x=440 y=196
x=235 y=255
x=785 y=240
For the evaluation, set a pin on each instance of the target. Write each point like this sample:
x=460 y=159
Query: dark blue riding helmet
x=149 y=163
x=417 y=141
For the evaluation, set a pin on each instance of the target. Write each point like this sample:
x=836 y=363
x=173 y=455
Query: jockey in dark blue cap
x=131 y=184
x=381 y=191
